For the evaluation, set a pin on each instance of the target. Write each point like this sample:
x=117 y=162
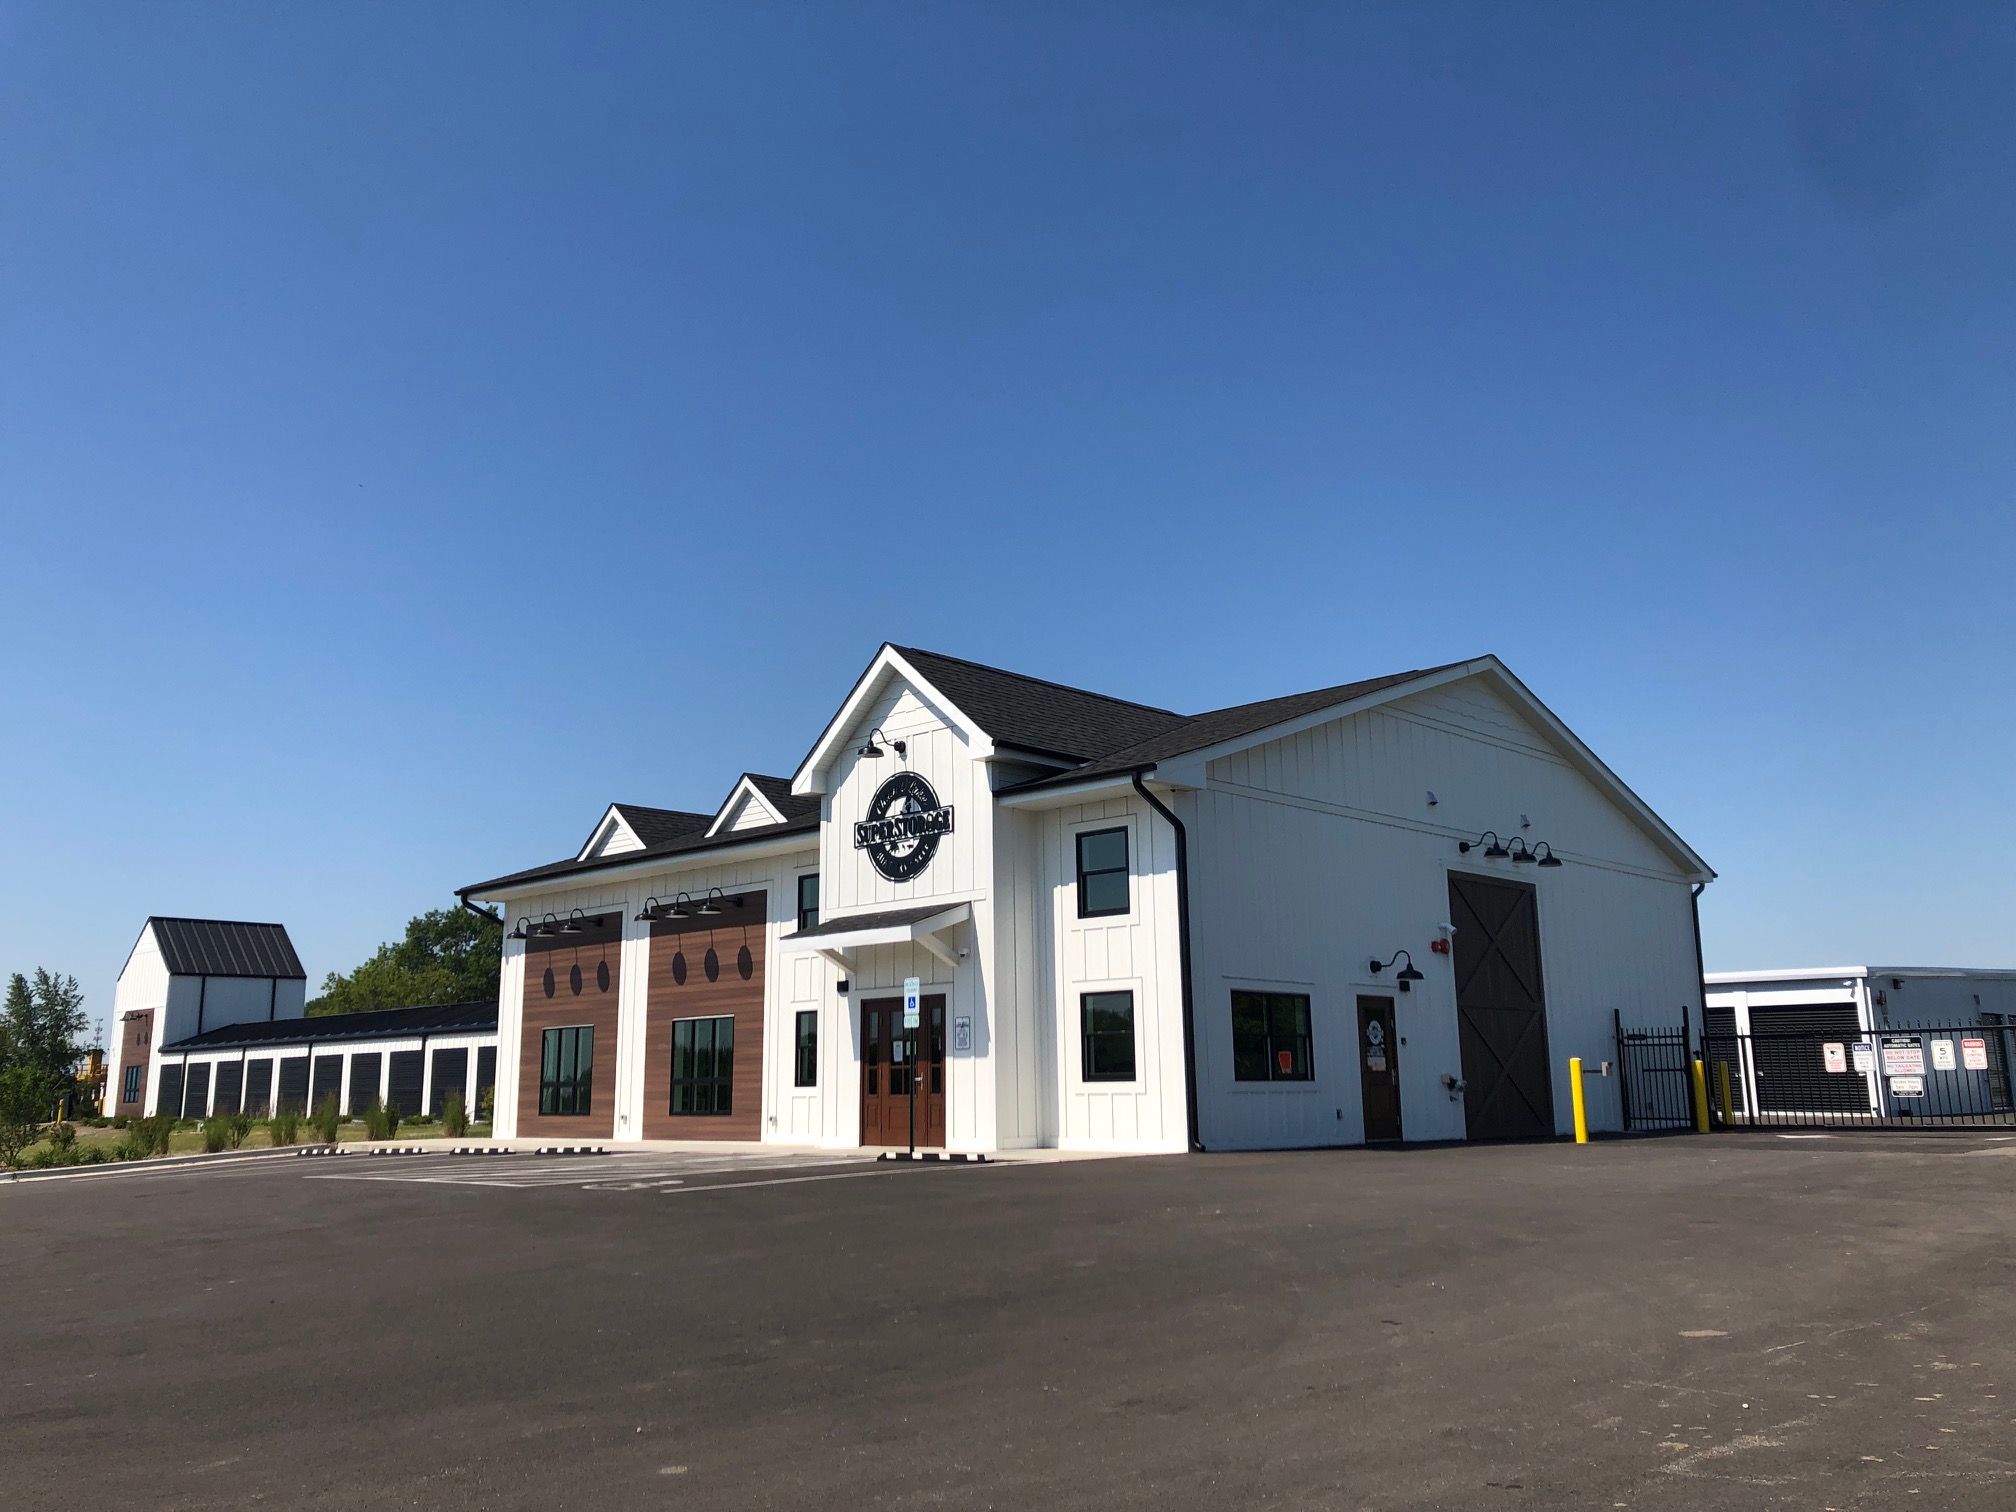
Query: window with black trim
x=1102 y=873
x=1270 y=1037
x=808 y=900
x=131 y=1090
x=808 y=1048
x=703 y=1065
x=1106 y=1029
x=566 y=1070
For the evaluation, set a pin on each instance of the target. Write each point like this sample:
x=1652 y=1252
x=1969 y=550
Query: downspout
x=1700 y=970
x=1182 y=954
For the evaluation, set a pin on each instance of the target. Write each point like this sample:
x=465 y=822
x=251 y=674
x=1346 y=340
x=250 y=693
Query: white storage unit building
x=1390 y=909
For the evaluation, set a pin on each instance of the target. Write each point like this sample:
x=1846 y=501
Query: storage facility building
x=1389 y=909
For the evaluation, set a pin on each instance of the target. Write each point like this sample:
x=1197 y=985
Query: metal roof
x=224 y=947
x=329 y=1028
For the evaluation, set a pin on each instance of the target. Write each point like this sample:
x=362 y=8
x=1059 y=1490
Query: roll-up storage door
x=451 y=1074
x=230 y=1079
x=168 y=1100
x=486 y=1078
x=294 y=1084
x=328 y=1080
x=367 y=1073
x=196 y=1091
x=409 y=1070
x=1788 y=1055
x=259 y=1086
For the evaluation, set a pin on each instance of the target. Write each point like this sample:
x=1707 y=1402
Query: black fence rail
x=1655 y=1078
x=1927 y=1076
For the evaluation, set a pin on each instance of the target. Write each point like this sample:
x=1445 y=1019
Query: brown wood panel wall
x=728 y=995
x=138 y=1050
x=598 y=947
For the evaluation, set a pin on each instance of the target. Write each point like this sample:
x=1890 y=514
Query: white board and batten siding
x=1315 y=853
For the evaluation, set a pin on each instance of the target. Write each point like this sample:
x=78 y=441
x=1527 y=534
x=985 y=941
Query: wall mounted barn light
x=873 y=750
x=550 y=925
x=676 y=909
x=1407 y=976
x=524 y=927
x=1550 y=859
x=575 y=922
x=711 y=905
x=649 y=912
x=1495 y=851
x=1520 y=854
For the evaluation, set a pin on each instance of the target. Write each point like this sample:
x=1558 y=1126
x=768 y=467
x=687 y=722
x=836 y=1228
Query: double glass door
x=894 y=1061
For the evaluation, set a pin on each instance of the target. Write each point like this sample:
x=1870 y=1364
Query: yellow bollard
x=1700 y=1097
x=1581 y=1113
x=1722 y=1092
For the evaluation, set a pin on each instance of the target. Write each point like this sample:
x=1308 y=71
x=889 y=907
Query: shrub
x=455 y=1117
x=486 y=1105
x=133 y=1146
x=392 y=1117
x=284 y=1128
x=327 y=1116
x=239 y=1126
x=216 y=1134
x=61 y=1136
x=419 y=1119
x=98 y=1123
x=121 y=1121
x=374 y=1120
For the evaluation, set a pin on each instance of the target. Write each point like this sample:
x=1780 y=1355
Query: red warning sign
x=1286 y=1060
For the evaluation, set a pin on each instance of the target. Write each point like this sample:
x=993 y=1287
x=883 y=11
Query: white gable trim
x=1189 y=769
x=612 y=836
x=887 y=667
x=743 y=792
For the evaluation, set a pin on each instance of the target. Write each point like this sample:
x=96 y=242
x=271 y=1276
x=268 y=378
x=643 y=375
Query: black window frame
x=1269 y=1044
x=718 y=1085
x=1091 y=1040
x=577 y=1089
x=805 y=1048
x=808 y=917
x=132 y=1084
x=1125 y=871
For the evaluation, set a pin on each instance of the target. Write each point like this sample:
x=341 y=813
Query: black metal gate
x=1655 y=1078
x=1840 y=1077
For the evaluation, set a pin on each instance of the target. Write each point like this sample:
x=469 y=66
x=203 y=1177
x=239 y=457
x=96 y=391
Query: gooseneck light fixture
x=1550 y=859
x=1495 y=851
x=1520 y=853
x=550 y=925
x=649 y=912
x=874 y=751
x=524 y=927
x=576 y=922
x=1407 y=976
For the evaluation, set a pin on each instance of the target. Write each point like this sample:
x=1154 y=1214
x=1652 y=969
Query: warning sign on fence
x=1942 y=1055
x=1974 y=1054
x=1865 y=1056
x=1836 y=1057
x=1907 y=1086
x=1902 y=1055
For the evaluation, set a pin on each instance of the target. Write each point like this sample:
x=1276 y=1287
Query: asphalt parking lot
x=1733 y=1322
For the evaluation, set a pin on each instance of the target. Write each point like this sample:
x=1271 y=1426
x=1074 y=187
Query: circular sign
x=904 y=825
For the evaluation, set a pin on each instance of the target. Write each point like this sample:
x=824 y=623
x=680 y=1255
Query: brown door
x=891 y=1057
x=1501 y=1014
x=1379 y=1068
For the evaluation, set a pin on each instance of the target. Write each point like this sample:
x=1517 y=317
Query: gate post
x=1575 y=1089
x=1700 y=1095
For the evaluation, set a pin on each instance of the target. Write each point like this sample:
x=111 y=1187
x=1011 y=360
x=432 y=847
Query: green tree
x=24 y=1103
x=39 y=1027
x=448 y=956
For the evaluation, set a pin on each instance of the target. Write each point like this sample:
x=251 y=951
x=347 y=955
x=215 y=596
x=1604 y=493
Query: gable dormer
x=613 y=836
x=746 y=807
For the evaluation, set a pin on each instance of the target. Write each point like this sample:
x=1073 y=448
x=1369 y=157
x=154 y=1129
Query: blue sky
x=421 y=424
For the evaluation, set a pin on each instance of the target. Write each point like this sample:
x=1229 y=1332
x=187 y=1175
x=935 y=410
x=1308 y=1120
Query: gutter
x=1183 y=954
x=1699 y=970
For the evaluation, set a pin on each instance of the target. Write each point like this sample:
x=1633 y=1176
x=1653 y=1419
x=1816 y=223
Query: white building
x=211 y=1018
x=1389 y=909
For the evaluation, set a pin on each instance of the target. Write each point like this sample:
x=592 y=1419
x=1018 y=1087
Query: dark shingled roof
x=327 y=1028
x=1036 y=715
x=224 y=947
x=1201 y=730
x=684 y=845
x=655 y=825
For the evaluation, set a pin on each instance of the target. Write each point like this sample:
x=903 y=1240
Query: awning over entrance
x=839 y=939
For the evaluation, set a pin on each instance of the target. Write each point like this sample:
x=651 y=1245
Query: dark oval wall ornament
x=601 y=976
x=574 y=980
x=679 y=968
x=904 y=825
x=549 y=981
x=713 y=964
x=745 y=963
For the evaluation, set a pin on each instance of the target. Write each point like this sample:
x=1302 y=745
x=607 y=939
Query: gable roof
x=1028 y=712
x=673 y=849
x=654 y=826
x=382 y=1023
x=772 y=796
x=1199 y=731
x=226 y=947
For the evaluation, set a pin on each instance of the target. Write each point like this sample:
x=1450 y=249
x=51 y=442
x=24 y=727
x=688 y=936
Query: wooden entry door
x=1501 y=1013
x=890 y=1057
x=1379 y=1068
